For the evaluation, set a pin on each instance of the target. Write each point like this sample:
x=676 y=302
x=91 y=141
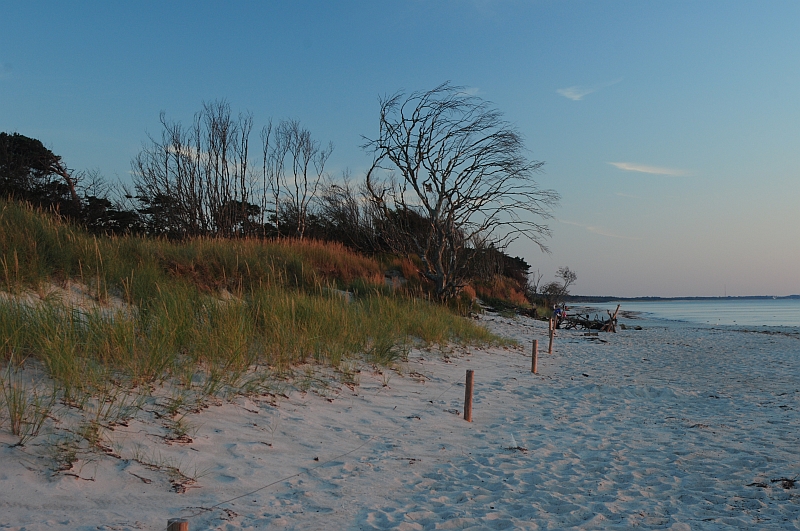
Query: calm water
x=770 y=312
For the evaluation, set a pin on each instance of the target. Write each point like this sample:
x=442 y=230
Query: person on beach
x=558 y=314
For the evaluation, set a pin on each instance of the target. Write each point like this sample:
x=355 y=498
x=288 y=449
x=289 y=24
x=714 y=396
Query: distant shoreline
x=589 y=298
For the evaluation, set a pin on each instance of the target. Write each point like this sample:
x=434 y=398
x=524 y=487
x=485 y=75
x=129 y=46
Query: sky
x=670 y=129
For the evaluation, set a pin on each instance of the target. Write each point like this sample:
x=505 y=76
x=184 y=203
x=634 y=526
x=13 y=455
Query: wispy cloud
x=577 y=92
x=599 y=230
x=654 y=170
x=471 y=91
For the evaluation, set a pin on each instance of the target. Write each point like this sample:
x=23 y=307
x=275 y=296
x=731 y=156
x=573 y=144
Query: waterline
x=742 y=312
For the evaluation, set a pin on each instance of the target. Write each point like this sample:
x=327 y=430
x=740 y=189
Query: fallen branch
x=609 y=325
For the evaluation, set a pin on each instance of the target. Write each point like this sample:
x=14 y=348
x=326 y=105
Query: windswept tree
x=449 y=174
x=554 y=293
x=31 y=172
x=568 y=278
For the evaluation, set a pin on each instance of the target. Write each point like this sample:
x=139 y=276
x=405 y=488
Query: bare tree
x=555 y=292
x=272 y=167
x=195 y=180
x=533 y=285
x=462 y=179
x=567 y=276
x=293 y=168
x=347 y=215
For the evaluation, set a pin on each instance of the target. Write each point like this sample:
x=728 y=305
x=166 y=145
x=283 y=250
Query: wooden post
x=177 y=524
x=535 y=357
x=552 y=333
x=468 y=396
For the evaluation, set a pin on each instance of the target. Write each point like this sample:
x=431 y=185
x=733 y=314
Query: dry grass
x=204 y=318
x=501 y=288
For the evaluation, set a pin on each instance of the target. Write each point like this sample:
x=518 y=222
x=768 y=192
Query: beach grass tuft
x=109 y=319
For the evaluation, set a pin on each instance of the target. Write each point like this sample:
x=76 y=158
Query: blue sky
x=670 y=129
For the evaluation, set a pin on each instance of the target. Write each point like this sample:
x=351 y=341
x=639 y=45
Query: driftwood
x=608 y=325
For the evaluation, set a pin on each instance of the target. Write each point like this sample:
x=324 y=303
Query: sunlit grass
x=206 y=318
x=185 y=330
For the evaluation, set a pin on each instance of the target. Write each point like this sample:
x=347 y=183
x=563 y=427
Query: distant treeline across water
x=723 y=311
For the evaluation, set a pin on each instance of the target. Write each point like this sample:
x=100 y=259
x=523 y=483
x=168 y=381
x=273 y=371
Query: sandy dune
x=671 y=427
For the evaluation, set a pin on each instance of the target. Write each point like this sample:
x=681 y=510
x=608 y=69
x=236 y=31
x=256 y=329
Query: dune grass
x=182 y=331
x=211 y=317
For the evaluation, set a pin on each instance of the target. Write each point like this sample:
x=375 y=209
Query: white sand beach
x=675 y=426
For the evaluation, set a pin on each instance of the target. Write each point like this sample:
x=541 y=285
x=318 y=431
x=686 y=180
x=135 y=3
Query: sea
x=723 y=311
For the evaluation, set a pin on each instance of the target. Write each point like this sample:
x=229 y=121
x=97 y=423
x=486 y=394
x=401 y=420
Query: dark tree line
x=31 y=173
x=198 y=181
x=449 y=186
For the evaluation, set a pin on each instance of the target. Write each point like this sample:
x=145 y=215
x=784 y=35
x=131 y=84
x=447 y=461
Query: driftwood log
x=604 y=325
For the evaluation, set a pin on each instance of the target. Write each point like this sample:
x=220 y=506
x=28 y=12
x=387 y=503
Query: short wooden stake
x=177 y=524
x=468 y=396
x=535 y=357
x=552 y=334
